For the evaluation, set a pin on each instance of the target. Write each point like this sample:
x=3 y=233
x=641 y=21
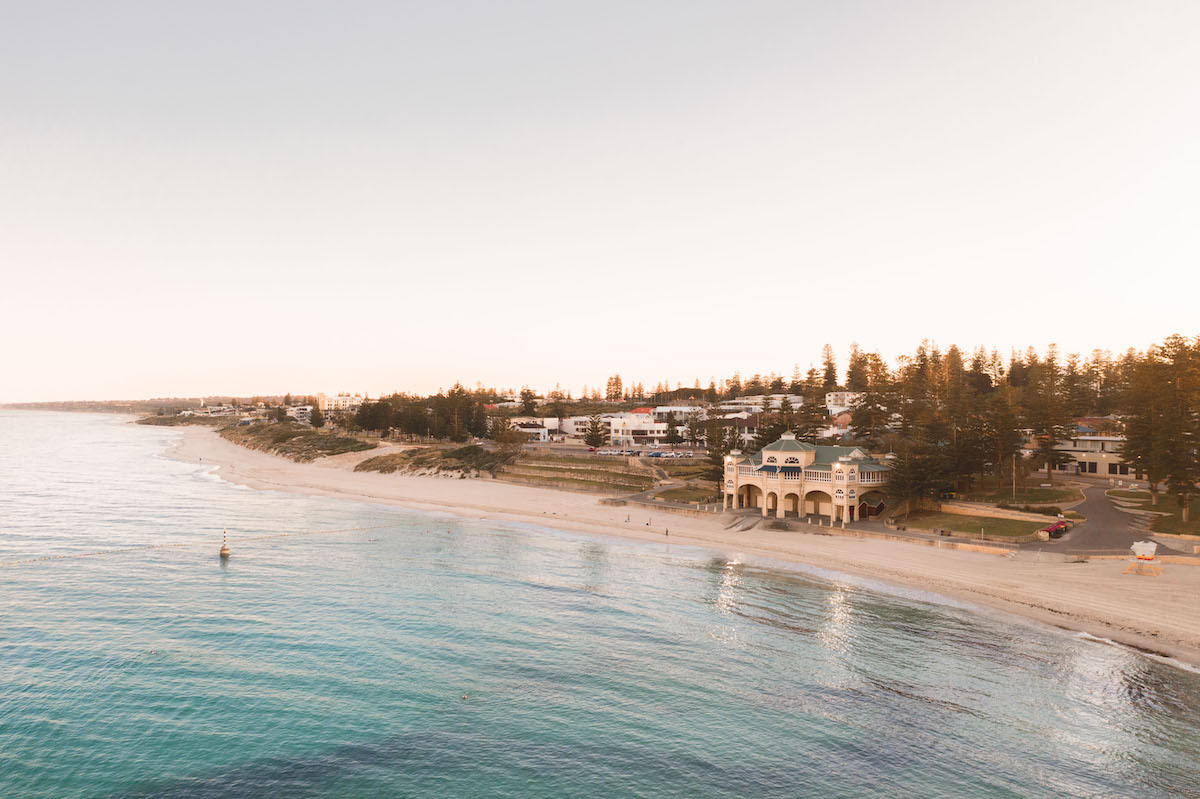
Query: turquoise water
x=335 y=665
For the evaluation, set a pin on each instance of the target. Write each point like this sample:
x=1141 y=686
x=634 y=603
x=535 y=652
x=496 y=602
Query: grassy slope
x=610 y=475
x=690 y=494
x=928 y=520
x=1025 y=496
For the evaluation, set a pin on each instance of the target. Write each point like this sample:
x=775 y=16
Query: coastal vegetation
x=470 y=460
x=174 y=420
x=293 y=440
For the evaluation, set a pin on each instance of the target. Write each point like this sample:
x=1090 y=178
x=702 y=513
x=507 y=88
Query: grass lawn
x=682 y=469
x=1025 y=496
x=1167 y=503
x=928 y=520
x=689 y=494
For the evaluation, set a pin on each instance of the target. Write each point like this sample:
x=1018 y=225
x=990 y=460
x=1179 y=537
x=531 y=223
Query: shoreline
x=1156 y=616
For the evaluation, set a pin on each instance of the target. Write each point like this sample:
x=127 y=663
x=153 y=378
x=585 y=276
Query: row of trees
x=456 y=414
x=951 y=422
x=1161 y=412
x=1091 y=384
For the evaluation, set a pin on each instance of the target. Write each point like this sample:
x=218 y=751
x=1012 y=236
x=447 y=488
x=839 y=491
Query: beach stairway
x=743 y=523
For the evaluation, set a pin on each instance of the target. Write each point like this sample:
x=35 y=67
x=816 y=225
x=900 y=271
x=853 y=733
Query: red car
x=1057 y=529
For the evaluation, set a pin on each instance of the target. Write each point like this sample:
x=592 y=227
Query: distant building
x=839 y=402
x=533 y=431
x=341 y=402
x=838 y=426
x=681 y=413
x=759 y=402
x=1091 y=454
x=794 y=478
x=301 y=413
x=638 y=429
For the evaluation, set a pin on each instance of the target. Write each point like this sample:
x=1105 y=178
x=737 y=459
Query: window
x=792 y=460
x=1112 y=468
x=771 y=459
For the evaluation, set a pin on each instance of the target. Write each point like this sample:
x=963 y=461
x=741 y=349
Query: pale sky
x=251 y=197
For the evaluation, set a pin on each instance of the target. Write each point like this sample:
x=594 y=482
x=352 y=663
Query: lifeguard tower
x=1144 y=559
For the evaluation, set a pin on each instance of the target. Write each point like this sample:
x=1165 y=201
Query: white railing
x=818 y=477
x=746 y=470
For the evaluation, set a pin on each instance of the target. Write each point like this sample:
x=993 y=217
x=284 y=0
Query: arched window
x=792 y=460
x=771 y=459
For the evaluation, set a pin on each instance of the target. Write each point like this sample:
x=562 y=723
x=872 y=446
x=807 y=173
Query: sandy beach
x=1158 y=614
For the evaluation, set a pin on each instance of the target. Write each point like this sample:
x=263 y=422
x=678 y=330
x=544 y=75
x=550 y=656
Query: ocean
x=412 y=654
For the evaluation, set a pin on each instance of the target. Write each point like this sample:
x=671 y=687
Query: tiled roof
x=788 y=445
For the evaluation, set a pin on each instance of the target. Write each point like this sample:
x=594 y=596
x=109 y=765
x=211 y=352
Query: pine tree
x=1181 y=420
x=721 y=440
x=528 y=401
x=1046 y=412
x=830 y=374
x=673 y=436
x=857 y=375
x=595 y=435
x=1143 y=408
x=919 y=474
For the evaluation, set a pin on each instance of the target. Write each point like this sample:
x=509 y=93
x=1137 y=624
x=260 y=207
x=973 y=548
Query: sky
x=264 y=197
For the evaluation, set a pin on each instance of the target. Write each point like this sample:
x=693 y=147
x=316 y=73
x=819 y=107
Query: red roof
x=642 y=410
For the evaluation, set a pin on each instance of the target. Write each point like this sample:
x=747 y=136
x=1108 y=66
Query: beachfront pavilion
x=791 y=478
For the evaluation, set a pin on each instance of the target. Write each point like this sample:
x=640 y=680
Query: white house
x=301 y=413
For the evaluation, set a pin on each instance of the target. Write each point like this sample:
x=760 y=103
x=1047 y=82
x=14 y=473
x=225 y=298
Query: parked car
x=1057 y=529
x=655 y=455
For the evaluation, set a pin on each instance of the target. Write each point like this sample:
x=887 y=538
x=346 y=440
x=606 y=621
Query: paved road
x=1106 y=529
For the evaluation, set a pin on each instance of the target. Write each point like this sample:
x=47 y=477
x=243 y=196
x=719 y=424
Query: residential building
x=301 y=413
x=681 y=413
x=791 y=478
x=341 y=402
x=533 y=431
x=839 y=402
x=638 y=429
x=759 y=403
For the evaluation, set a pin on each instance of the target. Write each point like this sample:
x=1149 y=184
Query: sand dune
x=1161 y=614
